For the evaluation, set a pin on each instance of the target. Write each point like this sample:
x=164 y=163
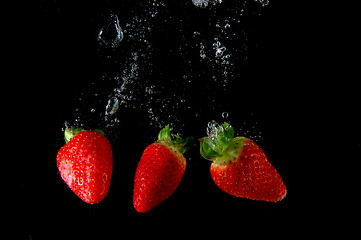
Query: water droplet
x=224 y=114
x=104 y=177
x=80 y=181
x=111 y=34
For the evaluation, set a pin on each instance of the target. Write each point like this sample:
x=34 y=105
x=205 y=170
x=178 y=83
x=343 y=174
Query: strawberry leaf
x=176 y=141
x=207 y=149
x=218 y=142
x=70 y=132
x=228 y=131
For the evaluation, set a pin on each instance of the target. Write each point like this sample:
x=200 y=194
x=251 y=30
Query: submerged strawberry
x=239 y=166
x=160 y=170
x=85 y=164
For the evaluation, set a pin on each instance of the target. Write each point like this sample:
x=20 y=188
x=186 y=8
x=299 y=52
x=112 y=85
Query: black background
x=307 y=120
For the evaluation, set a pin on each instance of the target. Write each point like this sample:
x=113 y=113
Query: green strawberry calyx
x=175 y=140
x=70 y=132
x=220 y=145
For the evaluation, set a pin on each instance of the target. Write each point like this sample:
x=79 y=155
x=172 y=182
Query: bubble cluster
x=214 y=129
x=204 y=3
x=171 y=69
x=262 y=2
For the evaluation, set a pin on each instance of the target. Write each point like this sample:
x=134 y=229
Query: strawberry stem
x=179 y=143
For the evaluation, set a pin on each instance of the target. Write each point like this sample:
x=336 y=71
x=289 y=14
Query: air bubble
x=214 y=130
x=111 y=34
x=219 y=49
x=112 y=106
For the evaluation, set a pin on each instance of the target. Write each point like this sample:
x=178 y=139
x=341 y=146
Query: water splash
x=111 y=34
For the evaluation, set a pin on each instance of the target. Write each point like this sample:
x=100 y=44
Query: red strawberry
x=239 y=166
x=160 y=170
x=85 y=163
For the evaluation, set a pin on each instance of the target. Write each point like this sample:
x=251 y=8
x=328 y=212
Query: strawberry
x=160 y=170
x=85 y=163
x=239 y=166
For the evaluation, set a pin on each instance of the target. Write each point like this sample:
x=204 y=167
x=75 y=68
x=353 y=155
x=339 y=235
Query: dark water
x=131 y=67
